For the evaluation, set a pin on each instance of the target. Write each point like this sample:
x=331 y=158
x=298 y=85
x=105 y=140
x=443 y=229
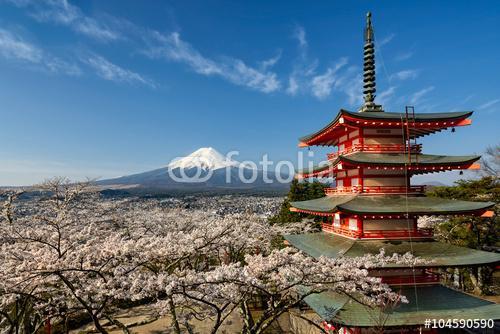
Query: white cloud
x=321 y=85
x=405 y=75
x=416 y=97
x=92 y=28
x=353 y=88
x=112 y=72
x=293 y=86
x=384 y=97
x=488 y=104
x=172 y=47
x=300 y=35
x=64 y=13
x=305 y=78
x=14 y=47
x=268 y=63
x=165 y=46
x=387 y=39
x=299 y=79
x=404 y=55
x=57 y=65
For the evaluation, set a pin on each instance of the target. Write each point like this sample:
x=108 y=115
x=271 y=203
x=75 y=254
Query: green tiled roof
x=434 y=302
x=324 y=204
x=390 y=116
x=402 y=158
x=380 y=159
x=397 y=116
x=436 y=254
x=390 y=204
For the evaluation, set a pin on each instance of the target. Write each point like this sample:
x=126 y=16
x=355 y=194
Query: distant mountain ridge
x=203 y=170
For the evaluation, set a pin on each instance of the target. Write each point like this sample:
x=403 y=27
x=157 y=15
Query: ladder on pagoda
x=410 y=121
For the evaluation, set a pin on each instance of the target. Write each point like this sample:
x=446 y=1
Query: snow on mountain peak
x=205 y=158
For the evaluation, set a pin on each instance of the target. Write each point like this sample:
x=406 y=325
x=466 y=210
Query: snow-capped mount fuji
x=203 y=170
x=206 y=158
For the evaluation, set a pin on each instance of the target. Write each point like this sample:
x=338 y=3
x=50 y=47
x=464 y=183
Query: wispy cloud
x=173 y=48
x=14 y=47
x=112 y=72
x=321 y=85
x=385 y=96
x=299 y=34
x=352 y=87
x=386 y=40
x=405 y=75
x=302 y=67
x=268 y=63
x=293 y=86
x=305 y=78
x=488 y=104
x=63 y=13
x=153 y=44
x=299 y=79
x=403 y=55
x=417 y=96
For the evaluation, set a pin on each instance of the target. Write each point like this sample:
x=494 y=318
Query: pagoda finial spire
x=369 y=68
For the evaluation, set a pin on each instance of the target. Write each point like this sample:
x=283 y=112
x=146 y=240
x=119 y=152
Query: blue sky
x=106 y=88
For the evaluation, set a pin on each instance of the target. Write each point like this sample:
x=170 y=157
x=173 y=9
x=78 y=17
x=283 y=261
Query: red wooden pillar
x=360 y=226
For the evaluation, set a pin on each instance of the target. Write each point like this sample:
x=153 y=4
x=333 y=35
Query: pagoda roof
x=393 y=159
x=424 y=302
x=426 y=123
x=435 y=253
x=389 y=204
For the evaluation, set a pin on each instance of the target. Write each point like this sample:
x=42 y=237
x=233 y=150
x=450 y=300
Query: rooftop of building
x=419 y=162
x=390 y=204
x=421 y=123
x=425 y=302
x=434 y=253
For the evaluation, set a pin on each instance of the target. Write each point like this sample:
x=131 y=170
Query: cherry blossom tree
x=69 y=252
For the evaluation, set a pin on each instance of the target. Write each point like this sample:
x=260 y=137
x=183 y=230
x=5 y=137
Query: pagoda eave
x=396 y=214
x=434 y=302
x=389 y=205
x=414 y=168
x=434 y=254
x=423 y=124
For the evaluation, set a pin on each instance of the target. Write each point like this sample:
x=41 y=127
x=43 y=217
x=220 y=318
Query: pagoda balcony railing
x=378 y=234
x=341 y=230
x=390 y=234
x=405 y=280
x=377 y=148
x=375 y=190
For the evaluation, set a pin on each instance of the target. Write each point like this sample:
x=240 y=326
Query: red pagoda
x=374 y=206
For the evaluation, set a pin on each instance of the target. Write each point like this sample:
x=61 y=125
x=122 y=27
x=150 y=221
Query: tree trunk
x=480 y=279
x=98 y=325
x=475 y=278
x=456 y=278
x=173 y=314
x=247 y=318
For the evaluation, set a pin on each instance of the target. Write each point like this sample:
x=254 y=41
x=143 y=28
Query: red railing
x=387 y=234
x=340 y=230
x=404 y=280
x=375 y=190
x=378 y=234
x=376 y=148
